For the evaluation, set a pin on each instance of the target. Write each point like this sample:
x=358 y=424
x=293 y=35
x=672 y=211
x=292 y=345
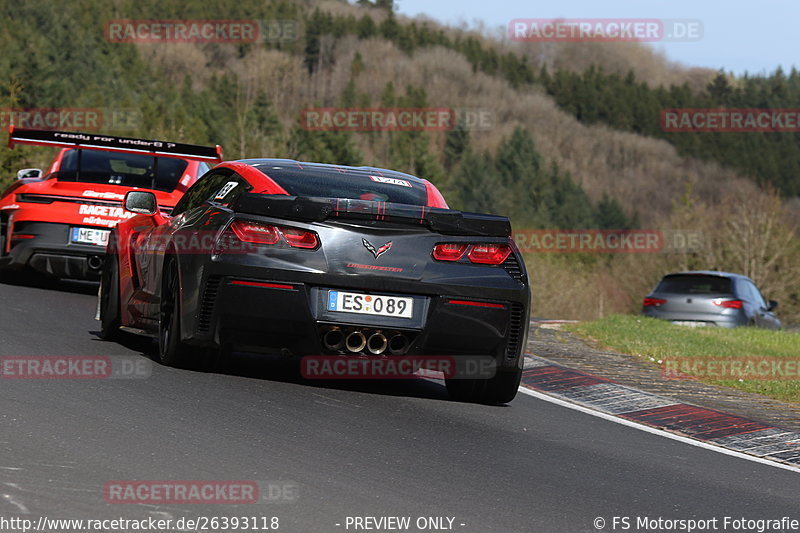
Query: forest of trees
x=627 y=104
x=569 y=149
x=621 y=102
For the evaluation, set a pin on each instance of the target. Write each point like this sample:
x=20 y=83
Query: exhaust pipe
x=377 y=343
x=355 y=342
x=398 y=344
x=333 y=339
x=95 y=262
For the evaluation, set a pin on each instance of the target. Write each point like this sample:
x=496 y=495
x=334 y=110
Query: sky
x=755 y=36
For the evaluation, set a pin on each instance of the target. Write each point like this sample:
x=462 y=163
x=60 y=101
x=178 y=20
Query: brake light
x=476 y=304
x=727 y=304
x=262 y=284
x=299 y=238
x=449 y=251
x=653 y=302
x=258 y=233
x=255 y=232
x=489 y=254
x=484 y=253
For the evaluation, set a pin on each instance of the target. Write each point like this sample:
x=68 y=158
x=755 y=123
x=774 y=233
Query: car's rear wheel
x=502 y=388
x=171 y=350
x=464 y=390
x=109 y=298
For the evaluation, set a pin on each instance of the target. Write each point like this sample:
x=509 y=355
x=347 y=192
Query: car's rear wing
x=305 y=209
x=108 y=143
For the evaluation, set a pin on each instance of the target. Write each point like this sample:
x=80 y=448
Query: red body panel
x=137 y=284
x=261 y=182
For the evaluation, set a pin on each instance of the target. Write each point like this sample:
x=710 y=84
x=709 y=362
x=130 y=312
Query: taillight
x=258 y=233
x=449 y=251
x=727 y=304
x=484 y=253
x=653 y=302
x=476 y=304
x=299 y=238
x=255 y=232
x=489 y=254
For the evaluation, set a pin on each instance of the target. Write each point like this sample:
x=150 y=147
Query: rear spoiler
x=305 y=209
x=108 y=143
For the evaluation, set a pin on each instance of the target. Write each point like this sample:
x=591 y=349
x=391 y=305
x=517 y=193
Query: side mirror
x=772 y=304
x=27 y=173
x=142 y=202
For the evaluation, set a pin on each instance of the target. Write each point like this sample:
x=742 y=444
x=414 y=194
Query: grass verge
x=750 y=359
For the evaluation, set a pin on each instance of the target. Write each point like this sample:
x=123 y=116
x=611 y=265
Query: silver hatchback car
x=710 y=298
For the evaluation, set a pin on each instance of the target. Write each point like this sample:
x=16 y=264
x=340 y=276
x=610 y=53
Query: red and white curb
x=716 y=428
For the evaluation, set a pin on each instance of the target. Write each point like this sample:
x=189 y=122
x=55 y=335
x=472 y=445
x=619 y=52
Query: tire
x=109 y=299
x=171 y=351
x=465 y=390
x=502 y=388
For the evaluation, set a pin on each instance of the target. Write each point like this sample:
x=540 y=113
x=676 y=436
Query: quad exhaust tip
x=355 y=342
x=398 y=344
x=374 y=342
x=377 y=343
x=333 y=339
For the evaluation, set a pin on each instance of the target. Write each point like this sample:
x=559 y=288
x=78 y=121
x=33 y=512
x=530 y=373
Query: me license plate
x=369 y=304
x=97 y=237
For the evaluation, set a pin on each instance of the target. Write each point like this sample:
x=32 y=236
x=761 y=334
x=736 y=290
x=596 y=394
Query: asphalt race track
x=347 y=450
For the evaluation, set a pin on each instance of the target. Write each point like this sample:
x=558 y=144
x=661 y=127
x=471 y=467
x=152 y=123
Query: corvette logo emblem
x=379 y=251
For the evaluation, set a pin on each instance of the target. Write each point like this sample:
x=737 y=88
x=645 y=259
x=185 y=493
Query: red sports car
x=58 y=222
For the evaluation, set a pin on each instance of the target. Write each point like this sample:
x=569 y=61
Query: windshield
x=130 y=170
x=695 y=284
x=354 y=184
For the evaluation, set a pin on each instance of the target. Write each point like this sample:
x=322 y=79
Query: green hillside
x=564 y=147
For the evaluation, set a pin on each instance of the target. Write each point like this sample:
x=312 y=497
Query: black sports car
x=306 y=259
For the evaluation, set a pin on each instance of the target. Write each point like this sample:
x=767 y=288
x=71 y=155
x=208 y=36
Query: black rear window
x=695 y=284
x=346 y=183
x=130 y=170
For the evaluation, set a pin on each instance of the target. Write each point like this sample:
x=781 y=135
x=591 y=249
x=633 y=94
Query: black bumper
x=50 y=252
x=278 y=319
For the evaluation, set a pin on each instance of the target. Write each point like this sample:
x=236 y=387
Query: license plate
x=370 y=304
x=98 y=237
x=689 y=323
